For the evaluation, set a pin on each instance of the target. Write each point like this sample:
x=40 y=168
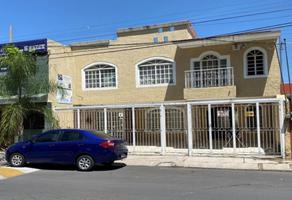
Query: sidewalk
x=242 y=163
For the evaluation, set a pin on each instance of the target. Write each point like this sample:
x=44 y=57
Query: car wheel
x=85 y=163
x=16 y=160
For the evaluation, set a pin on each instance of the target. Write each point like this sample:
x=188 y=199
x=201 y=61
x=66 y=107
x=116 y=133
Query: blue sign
x=38 y=46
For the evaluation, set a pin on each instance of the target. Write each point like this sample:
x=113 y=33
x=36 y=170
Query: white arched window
x=99 y=76
x=255 y=62
x=155 y=71
x=210 y=60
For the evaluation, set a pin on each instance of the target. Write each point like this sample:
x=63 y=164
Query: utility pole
x=10 y=34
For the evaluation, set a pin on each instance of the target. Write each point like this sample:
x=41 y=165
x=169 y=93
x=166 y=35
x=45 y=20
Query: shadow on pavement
x=114 y=166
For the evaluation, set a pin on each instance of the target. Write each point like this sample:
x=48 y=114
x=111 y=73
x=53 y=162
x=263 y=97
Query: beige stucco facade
x=64 y=60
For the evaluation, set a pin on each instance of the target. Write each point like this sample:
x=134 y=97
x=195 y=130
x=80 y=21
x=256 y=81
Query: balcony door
x=211 y=70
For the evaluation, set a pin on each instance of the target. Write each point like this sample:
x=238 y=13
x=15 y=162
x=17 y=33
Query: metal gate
x=247 y=126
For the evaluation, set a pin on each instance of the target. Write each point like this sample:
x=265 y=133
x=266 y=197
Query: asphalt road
x=147 y=183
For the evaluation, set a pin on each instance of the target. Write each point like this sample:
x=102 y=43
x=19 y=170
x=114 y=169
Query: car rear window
x=100 y=134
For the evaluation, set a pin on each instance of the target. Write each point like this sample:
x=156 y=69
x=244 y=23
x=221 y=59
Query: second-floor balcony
x=204 y=78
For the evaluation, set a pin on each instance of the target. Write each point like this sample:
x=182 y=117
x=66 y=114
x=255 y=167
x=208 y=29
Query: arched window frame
x=138 y=85
x=98 y=88
x=213 y=53
x=265 y=62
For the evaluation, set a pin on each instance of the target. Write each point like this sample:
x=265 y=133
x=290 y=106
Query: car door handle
x=80 y=145
x=51 y=145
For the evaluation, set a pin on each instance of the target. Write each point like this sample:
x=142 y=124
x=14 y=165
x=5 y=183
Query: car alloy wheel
x=16 y=160
x=85 y=163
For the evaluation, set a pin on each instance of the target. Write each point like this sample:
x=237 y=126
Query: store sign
x=64 y=95
x=249 y=113
x=39 y=46
x=121 y=115
x=223 y=113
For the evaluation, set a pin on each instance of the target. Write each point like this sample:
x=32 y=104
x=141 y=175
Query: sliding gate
x=207 y=127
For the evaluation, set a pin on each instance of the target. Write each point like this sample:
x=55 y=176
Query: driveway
x=146 y=183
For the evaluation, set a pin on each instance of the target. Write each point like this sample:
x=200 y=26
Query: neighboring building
x=286 y=89
x=163 y=86
x=34 y=122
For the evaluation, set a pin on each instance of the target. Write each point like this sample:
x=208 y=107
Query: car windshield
x=100 y=134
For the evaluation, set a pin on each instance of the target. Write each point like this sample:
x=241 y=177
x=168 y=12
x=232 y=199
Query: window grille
x=255 y=63
x=156 y=72
x=100 y=76
x=210 y=62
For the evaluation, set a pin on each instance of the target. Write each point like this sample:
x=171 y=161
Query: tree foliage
x=20 y=87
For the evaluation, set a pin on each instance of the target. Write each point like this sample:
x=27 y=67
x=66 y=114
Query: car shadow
x=114 y=166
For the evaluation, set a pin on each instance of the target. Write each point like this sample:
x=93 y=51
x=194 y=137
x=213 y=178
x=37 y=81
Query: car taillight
x=107 y=144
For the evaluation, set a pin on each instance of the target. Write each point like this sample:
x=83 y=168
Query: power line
x=111 y=34
x=281 y=25
x=264 y=28
x=288 y=67
x=123 y=45
x=212 y=20
x=241 y=16
x=200 y=22
x=242 y=21
x=102 y=51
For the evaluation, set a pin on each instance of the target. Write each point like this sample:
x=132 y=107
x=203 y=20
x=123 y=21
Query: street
x=133 y=183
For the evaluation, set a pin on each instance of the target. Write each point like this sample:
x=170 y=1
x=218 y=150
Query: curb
x=8 y=172
x=235 y=163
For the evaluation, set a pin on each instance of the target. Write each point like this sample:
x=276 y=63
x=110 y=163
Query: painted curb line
x=8 y=172
x=1 y=178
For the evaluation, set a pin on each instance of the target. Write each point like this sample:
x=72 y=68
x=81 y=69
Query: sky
x=69 y=21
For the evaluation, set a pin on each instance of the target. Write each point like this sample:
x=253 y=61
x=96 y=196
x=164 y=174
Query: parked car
x=83 y=148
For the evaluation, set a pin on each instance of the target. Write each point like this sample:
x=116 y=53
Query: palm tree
x=19 y=87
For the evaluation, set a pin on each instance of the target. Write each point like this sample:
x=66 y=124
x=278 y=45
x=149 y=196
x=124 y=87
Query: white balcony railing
x=209 y=78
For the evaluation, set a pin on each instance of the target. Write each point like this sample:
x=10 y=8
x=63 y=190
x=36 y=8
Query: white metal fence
x=247 y=126
x=209 y=78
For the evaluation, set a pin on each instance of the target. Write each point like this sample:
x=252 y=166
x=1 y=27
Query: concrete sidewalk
x=218 y=162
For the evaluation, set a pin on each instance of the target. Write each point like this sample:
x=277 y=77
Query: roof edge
x=154 y=26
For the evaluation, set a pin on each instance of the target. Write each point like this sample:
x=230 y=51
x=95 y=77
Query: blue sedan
x=83 y=148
